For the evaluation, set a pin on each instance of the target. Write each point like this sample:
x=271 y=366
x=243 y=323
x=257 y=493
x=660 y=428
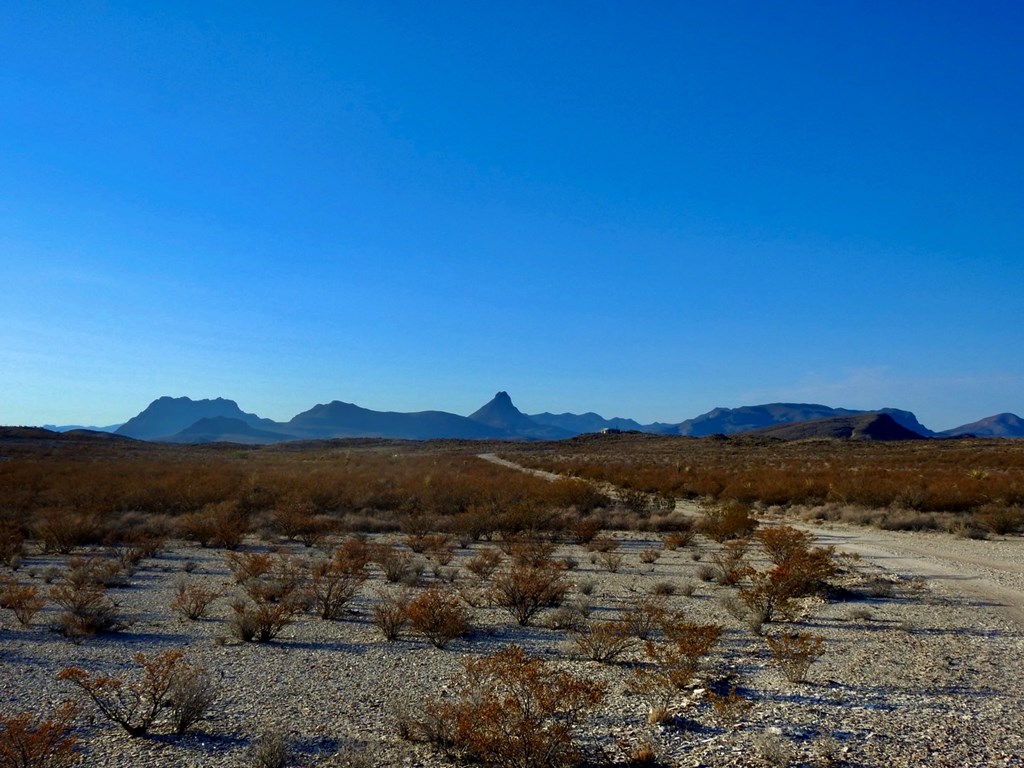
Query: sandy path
x=987 y=572
x=495 y=459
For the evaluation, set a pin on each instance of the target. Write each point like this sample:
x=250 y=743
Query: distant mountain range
x=863 y=426
x=183 y=420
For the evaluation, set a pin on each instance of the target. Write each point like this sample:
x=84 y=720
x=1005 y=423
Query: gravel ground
x=916 y=671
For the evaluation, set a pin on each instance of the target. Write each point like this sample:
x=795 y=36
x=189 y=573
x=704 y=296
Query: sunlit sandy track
x=987 y=572
x=495 y=459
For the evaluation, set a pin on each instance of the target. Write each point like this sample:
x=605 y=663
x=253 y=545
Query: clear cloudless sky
x=641 y=209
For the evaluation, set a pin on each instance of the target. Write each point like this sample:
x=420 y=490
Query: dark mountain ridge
x=183 y=420
x=589 y=422
x=169 y=415
x=1000 y=425
x=338 y=419
x=863 y=426
x=221 y=429
x=727 y=421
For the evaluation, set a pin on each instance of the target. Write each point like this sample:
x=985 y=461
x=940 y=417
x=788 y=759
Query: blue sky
x=644 y=210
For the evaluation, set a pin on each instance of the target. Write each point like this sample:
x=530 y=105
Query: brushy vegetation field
x=570 y=604
x=964 y=485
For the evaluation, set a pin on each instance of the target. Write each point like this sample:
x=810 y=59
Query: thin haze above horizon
x=643 y=210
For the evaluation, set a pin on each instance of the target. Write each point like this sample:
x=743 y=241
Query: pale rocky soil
x=922 y=665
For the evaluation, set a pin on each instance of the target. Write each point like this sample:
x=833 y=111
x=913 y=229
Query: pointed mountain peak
x=501 y=413
x=498 y=412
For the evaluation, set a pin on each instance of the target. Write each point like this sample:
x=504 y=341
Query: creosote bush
x=260 y=621
x=167 y=682
x=192 y=601
x=677 y=539
x=794 y=652
x=730 y=707
x=24 y=599
x=272 y=749
x=604 y=641
x=220 y=524
x=28 y=740
x=335 y=582
x=484 y=563
x=438 y=615
x=799 y=570
x=674 y=662
x=611 y=560
x=729 y=521
x=396 y=563
x=87 y=611
x=525 y=590
x=390 y=614
x=731 y=561
x=12 y=543
x=645 y=616
x=517 y=712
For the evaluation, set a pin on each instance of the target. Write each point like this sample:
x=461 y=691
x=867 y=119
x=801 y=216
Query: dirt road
x=987 y=573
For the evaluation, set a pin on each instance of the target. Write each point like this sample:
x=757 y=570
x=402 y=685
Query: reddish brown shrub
x=12 y=542
x=731 y=521
x=62 y=530
x=167 y=682
x=801 y=573
x=396 y=563
x=484 y=563
x=29 y=741
x=438 y=615
x=245 y=566
x=731 y=561
x=271 y=578
x=675 y=661
x=783 y=541
x=584 y=529
x=87 y=611
x=1000 y=519
x=678 y=539
x=525 y=590
x=261 y=621
x=96 y=570
x=604 y=641
x=528 y=548
x=517 y=712
x=645 y=616
x=23 y=599
x=650 y=555
x=602 y=543
x=297 y=519
x=390 y=614
x=335 y=582
x=794 y=652
x=192 y=601
x=729 y=707
x=222 y=524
